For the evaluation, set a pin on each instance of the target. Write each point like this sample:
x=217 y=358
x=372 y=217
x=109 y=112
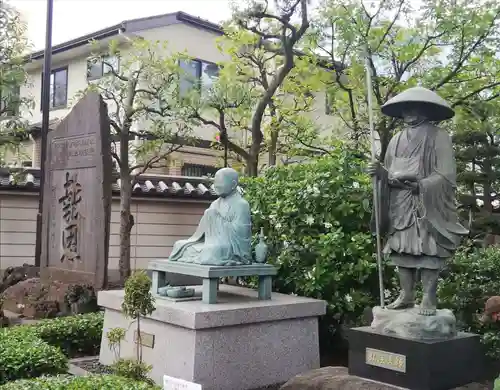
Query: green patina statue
x=224 y=234
x=417 y=183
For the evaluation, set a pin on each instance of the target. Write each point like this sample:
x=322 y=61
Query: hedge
x=78 y=335
x=23 y=355
x=316 y=218
x=470 y=278
x=68 y=382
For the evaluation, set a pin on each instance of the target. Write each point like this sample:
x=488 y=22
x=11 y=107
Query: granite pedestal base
x=241 y=343
x=415 y=364
x=210 y=276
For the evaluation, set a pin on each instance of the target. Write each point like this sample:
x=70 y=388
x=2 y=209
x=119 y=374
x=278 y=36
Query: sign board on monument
x=170 y=383
x=77 y=196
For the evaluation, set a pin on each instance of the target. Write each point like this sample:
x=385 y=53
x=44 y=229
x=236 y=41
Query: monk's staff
x=376 y=204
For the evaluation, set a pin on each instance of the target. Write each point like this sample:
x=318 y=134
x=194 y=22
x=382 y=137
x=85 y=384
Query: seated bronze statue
x=224 y=234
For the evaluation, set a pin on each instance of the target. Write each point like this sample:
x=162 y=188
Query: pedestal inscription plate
x=415 y=364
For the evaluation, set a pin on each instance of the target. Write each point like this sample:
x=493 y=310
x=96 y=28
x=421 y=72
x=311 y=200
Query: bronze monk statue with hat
x=416 y=191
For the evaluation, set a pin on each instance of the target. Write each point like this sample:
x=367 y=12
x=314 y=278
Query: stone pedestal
x=240 y=343
x=415 y=364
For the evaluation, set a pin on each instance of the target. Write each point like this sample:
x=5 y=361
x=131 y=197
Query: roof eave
x=197 y=22
x=80 y=41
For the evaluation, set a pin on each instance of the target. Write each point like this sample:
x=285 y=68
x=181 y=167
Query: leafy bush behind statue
x=316 y=217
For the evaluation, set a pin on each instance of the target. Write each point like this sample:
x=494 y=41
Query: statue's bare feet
x=426 y=308
x=402 y=302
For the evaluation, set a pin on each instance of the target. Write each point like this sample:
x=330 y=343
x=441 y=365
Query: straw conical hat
x=433 y=105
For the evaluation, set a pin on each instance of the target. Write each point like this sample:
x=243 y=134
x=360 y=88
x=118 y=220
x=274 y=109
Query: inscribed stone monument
x=77 y=196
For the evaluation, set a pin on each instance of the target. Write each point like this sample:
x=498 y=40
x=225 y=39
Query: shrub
x=470 y=278
x=67 y=382
x=78 y=335
x=138 y=302
x=316 y=217
x=133 y=369
x=23 y=355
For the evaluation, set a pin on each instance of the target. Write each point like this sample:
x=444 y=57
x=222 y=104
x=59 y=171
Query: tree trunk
x=253 y=158
x=272 y=150
x=126 y=223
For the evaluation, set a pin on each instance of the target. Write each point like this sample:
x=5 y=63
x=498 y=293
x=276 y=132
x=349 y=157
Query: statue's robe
x=423 y=229
x=223 y=236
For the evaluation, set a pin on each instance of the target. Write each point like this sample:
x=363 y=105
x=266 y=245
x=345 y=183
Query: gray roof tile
x=148 y=185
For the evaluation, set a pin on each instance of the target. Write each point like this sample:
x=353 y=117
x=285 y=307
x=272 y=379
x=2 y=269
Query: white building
x=71 y=73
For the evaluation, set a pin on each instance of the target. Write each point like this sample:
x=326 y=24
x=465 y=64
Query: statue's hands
x=403 y=177
x=405 y=185
x=374 y=168
x=413 y=186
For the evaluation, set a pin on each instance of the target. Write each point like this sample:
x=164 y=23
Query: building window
x=58 y=88
x=195 y=170
x=99 y=68
x=197 y=74
x=10 y=102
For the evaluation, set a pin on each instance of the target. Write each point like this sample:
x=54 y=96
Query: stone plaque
x=384 y=359
x=77 y=196
x=170 y=383
x=147 y=339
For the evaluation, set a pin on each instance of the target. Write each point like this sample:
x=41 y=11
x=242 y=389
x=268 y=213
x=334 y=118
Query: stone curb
x=78 y=371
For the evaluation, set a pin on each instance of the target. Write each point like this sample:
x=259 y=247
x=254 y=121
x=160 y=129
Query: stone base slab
x=415 y=364
x=338 y=378
x=240 y=343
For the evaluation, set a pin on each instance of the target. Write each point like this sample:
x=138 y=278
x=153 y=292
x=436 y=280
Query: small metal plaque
x=147 y=339
x=384 y=359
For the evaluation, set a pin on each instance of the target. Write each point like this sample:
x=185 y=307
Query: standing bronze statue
x=416 y=191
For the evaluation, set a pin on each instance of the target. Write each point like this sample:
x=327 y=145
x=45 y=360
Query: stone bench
x=210 y=276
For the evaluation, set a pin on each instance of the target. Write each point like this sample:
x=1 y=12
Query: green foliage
x=138 y=300
x=78 y=335
x=470 y=279
x=477 y=151
x=316 y=218
x=133 y=369
x=115 y=336
x=264 y=89
x=142 y=90
x=23 y=355
x=449 y=46
x=13 y=44
x=68 y=382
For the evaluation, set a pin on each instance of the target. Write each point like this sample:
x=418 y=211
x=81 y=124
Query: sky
x=74 y=18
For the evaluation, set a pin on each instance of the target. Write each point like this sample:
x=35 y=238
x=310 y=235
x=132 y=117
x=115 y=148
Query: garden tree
x=141 y=90
x=13 y=44
x=477 y=151
x=450 y=46
x=318 y=234
x=248 y=103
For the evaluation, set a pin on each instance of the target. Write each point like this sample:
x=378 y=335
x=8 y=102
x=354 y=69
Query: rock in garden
x=35 y=300
x=337 y=378
x=14 y=275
